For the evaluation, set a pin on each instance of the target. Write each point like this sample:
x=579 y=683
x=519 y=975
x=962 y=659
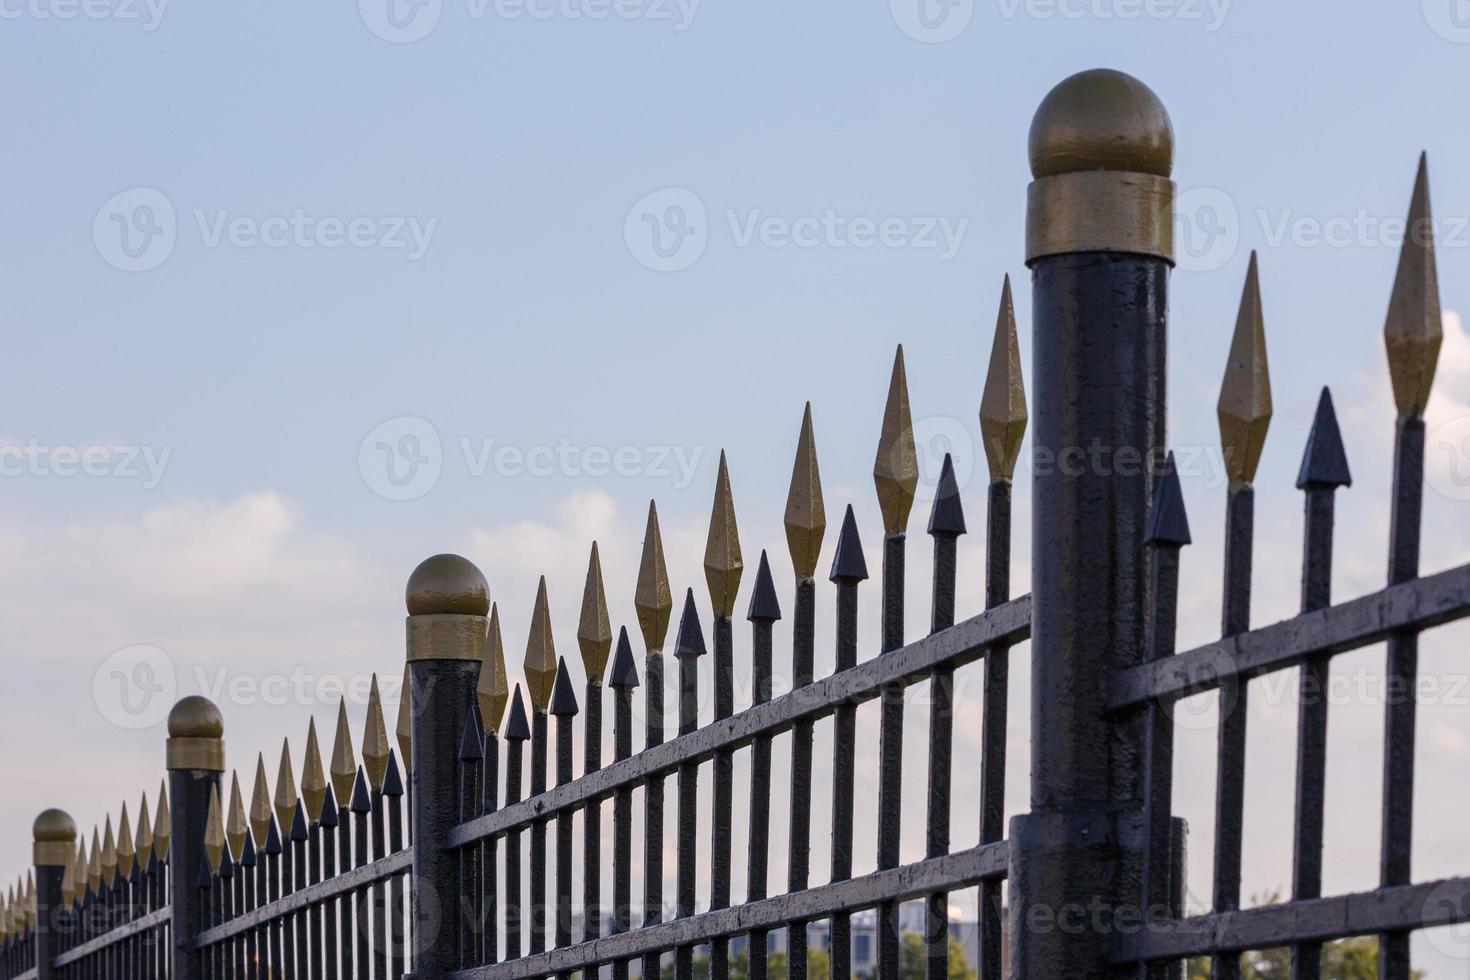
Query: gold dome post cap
x=1101 y=119
x=55 y=835
x=1102 y=150
x=447 y=584
x=196 y=730
x=448 y=600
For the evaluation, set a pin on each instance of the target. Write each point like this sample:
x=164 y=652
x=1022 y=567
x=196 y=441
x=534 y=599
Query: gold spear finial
x=594 y=629
x=896 y=468
x=313 y=776
x=1245 y=394
x=540 y=663
x=125 y=853
x=144 y=843
x=285 y=790
x=79 y=875
x=403 y=727
x=1003 y=403
x=260 y=802
x=236 y=826
x=375 y=738
x=806 y=515
x=94 y=863
x=493 y=688
x=723 y=565
x=214 y=831
x=344 y=763
x=109 y=853
x=652 y=597
x=162 y=824
x=1413 y=331
x=68 y=889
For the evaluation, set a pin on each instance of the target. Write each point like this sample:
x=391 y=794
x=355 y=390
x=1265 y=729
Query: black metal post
x=54 y=850
x=448 y=604
x=196 y=760
x=1099 y=241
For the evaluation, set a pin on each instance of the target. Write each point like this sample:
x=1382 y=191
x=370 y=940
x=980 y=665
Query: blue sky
x=353 y=238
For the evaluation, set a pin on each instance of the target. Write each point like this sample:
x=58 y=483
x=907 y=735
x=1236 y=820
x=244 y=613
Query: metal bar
x=142 y=924
x=287 y=923
x=393 y=790
x=188 y=795
x=1395 y=909
x=273 y=894
x=538 y=829
x=564 y=728
x=653 y=800
x=1240 y=510
x=996 y=711
x=1416 y=605
x=622 y=807
x=941 y=755
x=721 y=842
x=689 y=647
x=592 y=813
x=1158 y=761
x=1400 y=677
x=963 y=643
x=298 y=864
x=379 y=889
x=344 y=866
x=330 y=831
x=762 y=616
x=844 y=737
x=314 y=911
x=1311 y=739
x=489 y=870
x=890 y=751
x=798 y=856
x=514 y=759
x=361 y=901
x=953 y=871
x=471 y=797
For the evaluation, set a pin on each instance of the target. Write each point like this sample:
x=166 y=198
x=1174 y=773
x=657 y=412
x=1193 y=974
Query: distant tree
x=911 y=959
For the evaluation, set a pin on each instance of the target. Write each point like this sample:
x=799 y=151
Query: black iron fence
x=436 y=857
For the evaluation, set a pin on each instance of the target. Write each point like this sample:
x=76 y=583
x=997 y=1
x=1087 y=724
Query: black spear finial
x=518 y=728
x=947 y=517
x=1168 y=524
x=764 y=606
x=691 y=637
x=849 y=564
x=1324 y=463
x=563 y=698
x=624 y=669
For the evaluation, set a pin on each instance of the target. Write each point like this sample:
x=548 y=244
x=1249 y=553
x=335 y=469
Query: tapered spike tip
x=594 y=629
x=1413 y=331
x=403 y=726
x=1244 y=409
x=393 y=779
x=849 y=564
x=214 y=830
x=690 y=642
x=237 y=828
x=540 y=663
x=1168 y=524
x=361 y=799
x=624 y=670
x=652 y=598
x=286 y=795
x=806 y=516
x=896 y=467
x=470 y=739
x=563 y=698
x=374 y=739
x=764 y=606
x=493 y=689
x=518 y=727
x=947 y=517
x=1003 y=402
x=723 y=563
x=260 y=801
x=1324 y=463
x=344 y=762
x=313 y=775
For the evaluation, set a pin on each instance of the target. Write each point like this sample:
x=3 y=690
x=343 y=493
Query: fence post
x=196 y=761
x=448 y=602
x=55 y=848
x=1099 y=241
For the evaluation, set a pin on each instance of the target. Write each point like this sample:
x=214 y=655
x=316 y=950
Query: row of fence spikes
x=114 y=857
x=18 y=907
x=1412 y=334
